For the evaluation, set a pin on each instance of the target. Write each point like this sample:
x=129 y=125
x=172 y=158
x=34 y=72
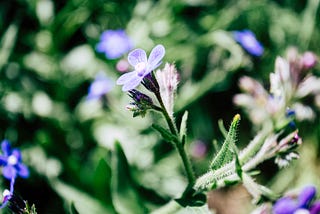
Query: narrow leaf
x=82 y=202
x=167 y=136
x=192 y=198
x=183 y=126
x=222 y=128
x=124 y=195
x=228 y=149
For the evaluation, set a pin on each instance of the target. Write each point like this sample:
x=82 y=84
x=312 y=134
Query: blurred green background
x=48 y=60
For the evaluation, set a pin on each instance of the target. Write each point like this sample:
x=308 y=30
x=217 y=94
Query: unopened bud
x=309 y=60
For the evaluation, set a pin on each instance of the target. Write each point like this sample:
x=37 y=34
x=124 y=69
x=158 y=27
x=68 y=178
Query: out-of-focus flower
x=309 y=60
x=248 y=41
x=122 y=65
x=168 y=79
x=99 y=87
x=11 y=161
x=288 y=84
x=199 y=149
x=114 y=43
x=142 y=66
x=293 y=204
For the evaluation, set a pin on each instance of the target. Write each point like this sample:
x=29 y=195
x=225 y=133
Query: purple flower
x=99 y=87
x=315 y=208
x=142 y=66
x=11 y=161
x=249 y=42
x=288 y=205
x=306 y=196
x=114 y=43
x=285 y=205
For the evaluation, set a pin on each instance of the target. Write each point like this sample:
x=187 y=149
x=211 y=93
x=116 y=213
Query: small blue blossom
x=114 y=43
x=249 y=42
x=99 y=87
x=289 y=205
x=11 y=161
x=142 y=66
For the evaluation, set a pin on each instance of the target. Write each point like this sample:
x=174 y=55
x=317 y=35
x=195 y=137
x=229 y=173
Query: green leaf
x=192 y=198
x=183 y=126
x=167 y=136
x=101 y=180
x=73 y=209
x=83 y=202
x=124 y=195
x=228 y=150
x=222 y=128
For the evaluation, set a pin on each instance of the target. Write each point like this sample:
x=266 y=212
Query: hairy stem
x=179 y=145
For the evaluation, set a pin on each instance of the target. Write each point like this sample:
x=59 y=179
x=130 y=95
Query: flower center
x=140 y=68
x=12 y=160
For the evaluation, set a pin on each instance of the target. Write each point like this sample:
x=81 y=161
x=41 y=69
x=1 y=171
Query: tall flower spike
x=142 y=66
x=11 y=161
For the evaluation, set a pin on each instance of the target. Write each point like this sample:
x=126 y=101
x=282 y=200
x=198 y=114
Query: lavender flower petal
x=136 y=56
x=23 y=170
x=3 y=160
x=9 y=172
x=134 y=82
x=315 y=208
x=114 y=43
x=306 y=196
x=99 y=87
x=17 y=154
x=156 y=56
x=5 y=147
x=285 y=206
x=124 y=78
x=249 y=42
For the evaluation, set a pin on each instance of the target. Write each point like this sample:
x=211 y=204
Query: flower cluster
x=288 y=84
x=302 y=203
x=141 y=103
x=11 y=161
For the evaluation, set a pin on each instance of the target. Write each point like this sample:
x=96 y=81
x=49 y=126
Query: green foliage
x=167 y=136
x=48 y=60
x=228 y=151
x=125 y=197
x=82 y=202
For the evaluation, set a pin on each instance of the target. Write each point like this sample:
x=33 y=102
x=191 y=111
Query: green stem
x=179 y=145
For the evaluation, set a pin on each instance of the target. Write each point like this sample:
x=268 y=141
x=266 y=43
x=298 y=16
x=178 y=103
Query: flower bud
x=141 y=104
x=309 y=60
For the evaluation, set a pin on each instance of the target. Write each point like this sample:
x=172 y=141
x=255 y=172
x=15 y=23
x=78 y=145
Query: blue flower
x=142 y=66
x=289 y=205
x=114 y=43
x=249 y=42
x=11 y=161
x=99 y=87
